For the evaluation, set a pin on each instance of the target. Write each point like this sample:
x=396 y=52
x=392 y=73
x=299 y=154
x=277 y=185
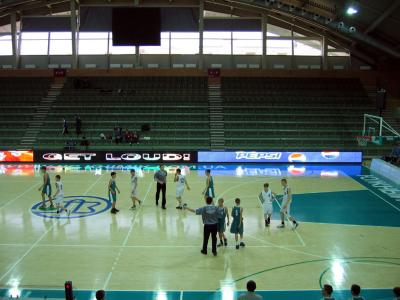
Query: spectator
x=135 y=138
x=118 y=134
x=102 y=136
x=396 y=293
x=85 y=143
x=70 y=145
x=355 y=292
x=327 y=291
x=109 y=137
x=250 y=295
x=128 y=136
x=65 y=127
x=395 y=155
x=100 y=295
x=78 y=125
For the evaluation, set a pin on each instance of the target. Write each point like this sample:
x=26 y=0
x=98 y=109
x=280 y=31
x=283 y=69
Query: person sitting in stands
x=395 y=155
x=396 y=293
x=327 y=291
x=85 y=143
x=250 y=295
x=355 y=292
x=100 y=295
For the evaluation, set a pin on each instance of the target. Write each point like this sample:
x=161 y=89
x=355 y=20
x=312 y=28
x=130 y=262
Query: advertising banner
x=115 y=156
x=16 y=156
x=279 y=157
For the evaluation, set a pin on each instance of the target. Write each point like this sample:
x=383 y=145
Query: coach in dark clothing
x=161 y=178
x=209 y=213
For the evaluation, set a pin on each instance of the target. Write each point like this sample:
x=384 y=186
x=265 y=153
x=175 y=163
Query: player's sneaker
x=220 y=244
x=113 y=211
x=179 y=207
x=215 y=253
x=184 y=205
x=51 y=207
x=133 y=207
x=43 y=207
x=68 y=212
x=295 y=225
x=237 y=246
x=281 y=226
x=140 y=202
x=58 y=211
x=242 y=244
x=203 y=252
x=225 y=242
x=117 y=210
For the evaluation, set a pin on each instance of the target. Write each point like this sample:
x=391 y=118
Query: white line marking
x=136 y=214
x=181 y=296
x=392 y=205
x=288 y=249
x=19 y=196
x=39 y=239
x=297 y=234
x=107 y=281
x=142 y=246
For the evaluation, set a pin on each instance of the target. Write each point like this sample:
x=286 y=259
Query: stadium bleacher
x=259 y=112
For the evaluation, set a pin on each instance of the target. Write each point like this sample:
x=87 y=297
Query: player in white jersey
x=180 y=187
x=286 y=202
x=267 y=197
x=59 y=196
x=134 y=190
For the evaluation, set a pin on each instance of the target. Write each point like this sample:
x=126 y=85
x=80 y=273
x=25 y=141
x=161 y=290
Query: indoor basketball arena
x=200 y=149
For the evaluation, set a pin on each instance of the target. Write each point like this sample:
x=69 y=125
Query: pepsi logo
x=296 y=170
x=330 y=154
x=297 y=157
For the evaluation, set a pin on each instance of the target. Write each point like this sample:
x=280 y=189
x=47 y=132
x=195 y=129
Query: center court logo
x=80 y=207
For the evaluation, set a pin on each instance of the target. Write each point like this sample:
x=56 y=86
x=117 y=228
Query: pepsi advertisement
x=279 y=157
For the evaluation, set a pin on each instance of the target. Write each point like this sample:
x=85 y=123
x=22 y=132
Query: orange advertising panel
x=16 y=156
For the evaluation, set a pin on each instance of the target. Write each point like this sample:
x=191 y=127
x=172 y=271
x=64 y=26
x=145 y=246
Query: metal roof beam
x=395 y=4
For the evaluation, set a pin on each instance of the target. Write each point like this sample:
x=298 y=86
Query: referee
x=209 y=213
x=161 y=177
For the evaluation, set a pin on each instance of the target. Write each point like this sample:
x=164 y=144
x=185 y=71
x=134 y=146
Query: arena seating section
x=175 y=108
x=295 y=113
x=19 y=99
x=259 y=112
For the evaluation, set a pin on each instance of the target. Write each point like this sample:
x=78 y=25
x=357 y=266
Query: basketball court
x=349 y=232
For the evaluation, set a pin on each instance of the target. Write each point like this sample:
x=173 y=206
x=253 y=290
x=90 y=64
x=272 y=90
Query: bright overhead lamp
x=352 y=10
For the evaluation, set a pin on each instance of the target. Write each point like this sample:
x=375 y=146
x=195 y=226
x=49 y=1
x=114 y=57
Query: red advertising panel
x=16 y=156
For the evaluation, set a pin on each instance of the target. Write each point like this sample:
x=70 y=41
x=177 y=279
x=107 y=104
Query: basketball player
x=59 y=196
x=237 y=223
x=46 y=189
x=180 y=187
x=112 y=192
x=286 y=202
x=209 y=190
x=222 y=215
x=266 y=198
x=134 y=183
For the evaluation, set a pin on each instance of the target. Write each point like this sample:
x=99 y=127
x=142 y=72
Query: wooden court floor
x=349 y=232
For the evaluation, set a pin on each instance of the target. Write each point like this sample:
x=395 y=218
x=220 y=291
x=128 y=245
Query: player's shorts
x=112 y=196
x=134 y=193
x=179 y=192
x=236 y=229
x=268 y=208
x=287 y=210
x=58 y=199
x=221 y=225
x=47 y=190
x=210 y=193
